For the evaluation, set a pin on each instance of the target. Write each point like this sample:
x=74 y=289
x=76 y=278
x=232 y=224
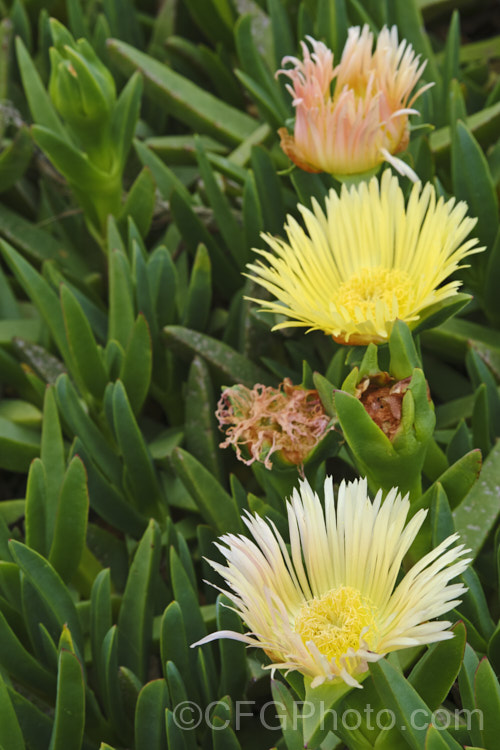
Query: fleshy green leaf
x=202 y=435
x=50 y=588
x=478 y=511
x=140 y=471
x=149 y=722
x=199 y=296
x=20 y=663
x=40 y=293
x=216 y=506
x=224 y=215
x=437 y=670
x=195 y=107
x=70 y=523
x=136 y=369
x=35 y=509
x=40 y=104
x=472 y=182
x=230 y=366
x=87 y=359
x=141 y=200
x=487 y=692
x=136 y=612
x=11 y=736
x=121 y=307
x=69 y=719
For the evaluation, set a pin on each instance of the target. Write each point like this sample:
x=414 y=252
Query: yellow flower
x=367 y=261
x=331 y=605
x=365 y=120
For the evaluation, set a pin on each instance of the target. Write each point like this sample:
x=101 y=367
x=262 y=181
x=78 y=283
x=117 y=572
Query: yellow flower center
x=336 y=621
x=370 y=286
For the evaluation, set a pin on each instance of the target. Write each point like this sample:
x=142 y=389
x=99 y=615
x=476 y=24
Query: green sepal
x=325 y=391
x=369 y=364
x=404 y=355
x=323 y=698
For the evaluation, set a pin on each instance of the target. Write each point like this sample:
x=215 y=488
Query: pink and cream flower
x=364 y=120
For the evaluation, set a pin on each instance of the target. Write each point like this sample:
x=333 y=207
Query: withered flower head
x=288 y=420
x=382 y=397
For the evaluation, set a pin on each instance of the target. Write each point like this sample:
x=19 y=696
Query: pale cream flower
x=367 y=261
x=364 y=121
x=331 y=605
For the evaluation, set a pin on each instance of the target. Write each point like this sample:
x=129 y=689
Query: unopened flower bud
x=81 y=87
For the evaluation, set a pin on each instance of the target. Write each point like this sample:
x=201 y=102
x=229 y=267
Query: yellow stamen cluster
x=337 y=622
x=372 y=287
